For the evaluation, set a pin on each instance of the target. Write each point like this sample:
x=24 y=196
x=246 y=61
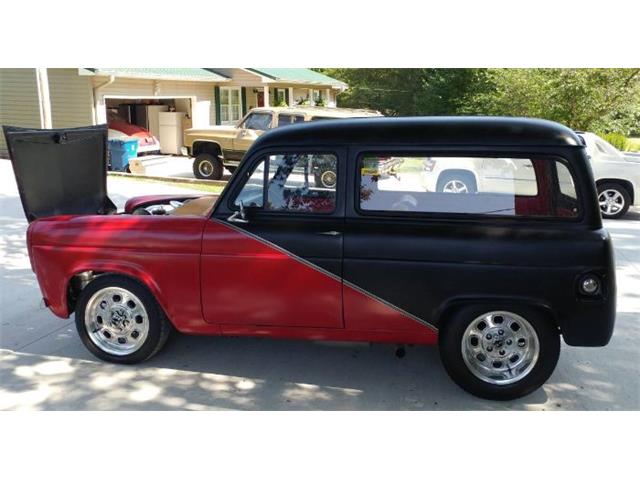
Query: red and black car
x=495 y=275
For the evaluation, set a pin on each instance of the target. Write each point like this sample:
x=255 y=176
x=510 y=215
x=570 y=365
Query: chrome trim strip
x=326 y=272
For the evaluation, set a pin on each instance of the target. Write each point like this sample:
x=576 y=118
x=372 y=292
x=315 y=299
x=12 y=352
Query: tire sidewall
x=157 y=321
x=625 y=195
x=450 y=341
x=216 y=172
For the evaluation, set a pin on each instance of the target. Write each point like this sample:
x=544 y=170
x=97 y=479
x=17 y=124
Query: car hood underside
x=60 y=171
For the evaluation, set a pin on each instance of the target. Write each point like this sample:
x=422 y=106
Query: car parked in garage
x=221 y=146
x=496 y=279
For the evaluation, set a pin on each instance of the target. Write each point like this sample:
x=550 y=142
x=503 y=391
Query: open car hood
x=60 y=171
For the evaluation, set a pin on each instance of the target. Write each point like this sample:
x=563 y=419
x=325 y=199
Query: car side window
x=288 y=119
x=252 y=193
x=469 y=185
x=295 y=182
x=258 y=121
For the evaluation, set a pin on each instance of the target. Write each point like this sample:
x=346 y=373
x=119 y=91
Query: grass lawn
x=633 y=144
x=193 y=186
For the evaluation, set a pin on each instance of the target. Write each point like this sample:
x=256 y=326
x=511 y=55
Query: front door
x=254 y=125
x=281 y=266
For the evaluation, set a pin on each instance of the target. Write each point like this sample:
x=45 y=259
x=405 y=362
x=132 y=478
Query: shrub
x=616 y=139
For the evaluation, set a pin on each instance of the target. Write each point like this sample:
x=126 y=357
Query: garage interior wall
x=203 y=92
x=19 y=104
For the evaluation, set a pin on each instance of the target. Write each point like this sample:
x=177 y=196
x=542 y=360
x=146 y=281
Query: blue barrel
x=120 y=152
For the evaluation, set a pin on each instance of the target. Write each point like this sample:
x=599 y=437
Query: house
x=71 y=97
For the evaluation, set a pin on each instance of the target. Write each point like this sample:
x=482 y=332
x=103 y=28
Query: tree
x=604 y=100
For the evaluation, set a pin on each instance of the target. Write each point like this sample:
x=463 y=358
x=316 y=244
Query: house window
x=230 y=105
x=280 y=95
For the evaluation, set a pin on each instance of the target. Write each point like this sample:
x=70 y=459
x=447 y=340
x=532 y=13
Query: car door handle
x=332 y=233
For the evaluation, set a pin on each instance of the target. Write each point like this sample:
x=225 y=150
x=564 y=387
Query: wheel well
x=628 y=186
x=206 y=147
x=451 y=308
x=80 y=280
x=77 y=283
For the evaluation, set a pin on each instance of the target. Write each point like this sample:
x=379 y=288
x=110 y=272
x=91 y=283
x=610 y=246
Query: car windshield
x=258 y=121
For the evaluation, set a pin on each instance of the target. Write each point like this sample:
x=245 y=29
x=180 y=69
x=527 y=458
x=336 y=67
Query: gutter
x=96 y=91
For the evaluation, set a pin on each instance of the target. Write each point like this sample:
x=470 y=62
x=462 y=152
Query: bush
x=616 y=139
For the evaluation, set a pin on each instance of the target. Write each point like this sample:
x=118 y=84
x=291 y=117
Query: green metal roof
x=298 y=75
x=192 y=74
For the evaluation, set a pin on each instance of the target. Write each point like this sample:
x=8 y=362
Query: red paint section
x=248 y=282
x=425 y=337
x=162 y=252
x=363 y=312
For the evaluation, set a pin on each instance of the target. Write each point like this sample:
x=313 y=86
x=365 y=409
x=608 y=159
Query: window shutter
x=216 y=99
x=243 y=99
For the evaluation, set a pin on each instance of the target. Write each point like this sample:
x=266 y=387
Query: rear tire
x=120 y=321
x=207 y=167
x=614 y=200
x=494 y=365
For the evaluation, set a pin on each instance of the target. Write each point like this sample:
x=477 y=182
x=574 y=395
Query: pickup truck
x=223 y=146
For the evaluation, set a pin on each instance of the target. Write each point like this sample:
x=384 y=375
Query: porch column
x=266 y=95
x=42 y=82
x=310 y=95
x=327 y=97
x=292 y=100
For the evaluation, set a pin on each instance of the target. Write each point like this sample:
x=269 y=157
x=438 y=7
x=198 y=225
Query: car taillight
x=429 y=164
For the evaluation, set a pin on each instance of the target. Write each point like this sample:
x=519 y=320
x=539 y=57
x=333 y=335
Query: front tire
x=120 y=321
x=614 y=200
x=207 y=167
x=499 y=352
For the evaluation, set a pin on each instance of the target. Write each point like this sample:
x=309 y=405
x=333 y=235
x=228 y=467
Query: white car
x=617 y=176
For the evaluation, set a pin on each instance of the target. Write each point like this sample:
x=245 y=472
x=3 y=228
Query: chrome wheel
x=116 y=321
x=500 y=347
x=205 y=167
x=455 y=186
x=328 y=179
x=611 y=202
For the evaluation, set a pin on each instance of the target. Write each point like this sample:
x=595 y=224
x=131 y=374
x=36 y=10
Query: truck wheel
x=614 y=200
x=326 y=178
x=119 y=320
x=497 y=352
x=207 y=167
x=456 y=182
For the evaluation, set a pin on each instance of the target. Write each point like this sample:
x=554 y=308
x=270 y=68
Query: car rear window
x=529 y=187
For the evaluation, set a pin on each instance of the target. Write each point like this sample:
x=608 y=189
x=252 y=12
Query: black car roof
x=444 y=131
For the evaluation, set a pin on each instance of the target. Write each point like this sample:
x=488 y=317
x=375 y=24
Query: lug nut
x=501 y=352
x=489 y=336
x=509 y=341
x=489 y=349
x=500 y=332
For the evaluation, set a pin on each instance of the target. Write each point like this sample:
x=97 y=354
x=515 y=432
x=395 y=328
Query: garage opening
x=157 y=123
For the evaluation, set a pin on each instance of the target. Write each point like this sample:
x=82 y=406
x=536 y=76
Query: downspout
x=96 y=91
x=44 y=100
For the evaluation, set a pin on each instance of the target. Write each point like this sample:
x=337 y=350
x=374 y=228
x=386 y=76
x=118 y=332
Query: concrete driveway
x=44 y=366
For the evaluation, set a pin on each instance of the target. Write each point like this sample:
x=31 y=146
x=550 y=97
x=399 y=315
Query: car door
x=250 y=129
x=280 y=266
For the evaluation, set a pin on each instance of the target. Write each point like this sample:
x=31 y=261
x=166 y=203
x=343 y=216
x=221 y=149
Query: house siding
x=71 y=98
x=19 y=105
